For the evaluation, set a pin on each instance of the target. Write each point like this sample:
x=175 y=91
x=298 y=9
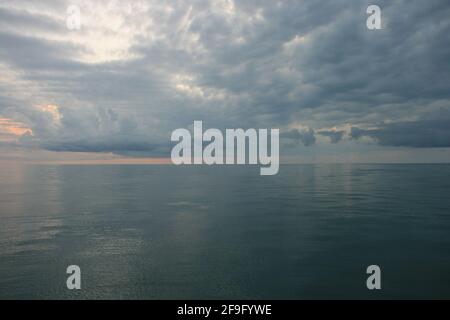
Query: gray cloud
x=306 y=137
x=415 y=134
x=10 y=17
x=335 y=136
x=261 y=64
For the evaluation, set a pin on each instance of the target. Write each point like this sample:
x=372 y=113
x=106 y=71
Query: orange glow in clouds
x=13 y=129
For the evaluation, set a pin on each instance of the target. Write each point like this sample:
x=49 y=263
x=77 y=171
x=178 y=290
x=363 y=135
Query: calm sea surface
x=154 y=232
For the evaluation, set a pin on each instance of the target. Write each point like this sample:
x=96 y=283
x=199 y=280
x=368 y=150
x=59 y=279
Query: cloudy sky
x=137 y=70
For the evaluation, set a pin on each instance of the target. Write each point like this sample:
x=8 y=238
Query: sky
x=114 y=90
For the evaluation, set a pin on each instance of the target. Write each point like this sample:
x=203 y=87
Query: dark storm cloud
x=112 y=145
x=416 y=134
x=261 y=64
x=306 y=137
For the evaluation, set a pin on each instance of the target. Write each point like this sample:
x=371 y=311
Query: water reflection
x=224 y=232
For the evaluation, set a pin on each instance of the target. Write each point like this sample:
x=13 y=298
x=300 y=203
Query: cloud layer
x=136 y=71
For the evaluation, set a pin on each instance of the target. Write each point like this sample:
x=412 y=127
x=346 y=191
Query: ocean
x=224 y=232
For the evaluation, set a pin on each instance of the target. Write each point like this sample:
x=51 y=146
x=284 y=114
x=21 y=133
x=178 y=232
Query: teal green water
x=154 y=232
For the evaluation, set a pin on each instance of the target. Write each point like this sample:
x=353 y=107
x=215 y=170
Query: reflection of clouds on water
x=25 y=234
x=185 y=206
x=171 y=232
x=113 y=241
x=29 y=224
